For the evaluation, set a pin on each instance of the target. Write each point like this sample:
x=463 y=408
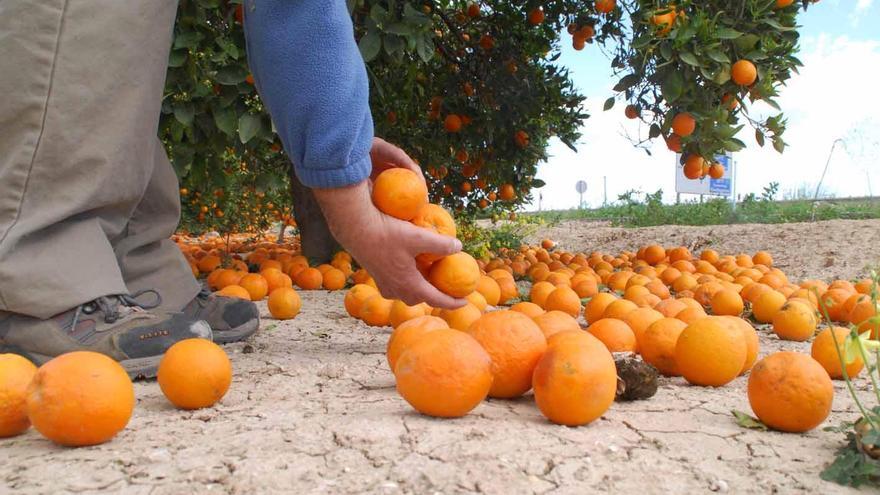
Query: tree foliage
x=474 y=91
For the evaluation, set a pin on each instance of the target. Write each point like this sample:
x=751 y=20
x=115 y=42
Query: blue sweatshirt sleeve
x=311 y=77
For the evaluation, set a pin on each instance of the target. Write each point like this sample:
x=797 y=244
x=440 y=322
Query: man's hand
x=384 y=245
x=385 y=155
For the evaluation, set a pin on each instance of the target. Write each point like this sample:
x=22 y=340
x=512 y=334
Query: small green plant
x=858 y=462
x=480 y=241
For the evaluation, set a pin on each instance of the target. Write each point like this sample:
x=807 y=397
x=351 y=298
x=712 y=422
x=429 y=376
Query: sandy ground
x=313 y=409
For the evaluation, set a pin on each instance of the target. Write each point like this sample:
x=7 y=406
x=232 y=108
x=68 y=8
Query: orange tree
x=474 y=92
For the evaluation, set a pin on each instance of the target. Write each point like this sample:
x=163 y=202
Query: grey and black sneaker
x=231 y=319
x=117 y=326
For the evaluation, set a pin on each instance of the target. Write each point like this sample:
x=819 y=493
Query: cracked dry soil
x=312 y=409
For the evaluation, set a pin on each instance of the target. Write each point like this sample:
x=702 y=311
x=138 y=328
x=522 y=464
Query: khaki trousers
x=88 y=198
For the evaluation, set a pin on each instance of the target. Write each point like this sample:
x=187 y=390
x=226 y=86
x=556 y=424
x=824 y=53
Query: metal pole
x=825 y=170
x=604 y=190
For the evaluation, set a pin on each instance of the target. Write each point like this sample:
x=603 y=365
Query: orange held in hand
x=445 y=373
x=456 y=275
x=16 y=373
x=399 y=192
x=194 y=373
x=80 y=398
x=575 y=381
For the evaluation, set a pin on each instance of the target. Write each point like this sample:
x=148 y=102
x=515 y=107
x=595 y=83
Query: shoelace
x=110 y=305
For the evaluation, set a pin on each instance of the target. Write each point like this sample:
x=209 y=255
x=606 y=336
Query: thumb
x=421 y=240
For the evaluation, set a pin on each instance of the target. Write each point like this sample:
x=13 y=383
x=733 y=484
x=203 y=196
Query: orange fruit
x=456 y=275
x=540 y=291
x=743 y=72
x=399 y=192
x=16 y=374
x=194 y=373
x=605 y=6
x=477 y=300
x=833 y=301
x=586 y=288
x=355 y=298
x=795 y=321
x=376 y=311
x=284 y=303
x=276 y=279
x=553 y=322
x=309 y=279
x=208 y=263
x=619 y=309
x=763 y=258
x=489 y=288
x=226 y=278
x=564 y=299
x=461 y=318
x=866 y=316
x=657 y=344
x=826 y=353
x=683 y=124
x=333 y=279
x=750 y=336
x=436 y=219
x=727 y=302
x=710 y=352
x=452 y=122
x=767 y=305
x=789 y=391
x=615 y=334
x=445 y=373
x=235 y=291
x=256 y=286
x=401 y=312
x=515 y=343
x=536 y=16
x=639 y=321
x=405 y=334
x=575 y=380
x=80 y=398
x=529 y=309
x=597 y=305
x=691 y=315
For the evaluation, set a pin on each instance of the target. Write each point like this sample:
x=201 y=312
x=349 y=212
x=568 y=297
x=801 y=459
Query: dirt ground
x=312 y=409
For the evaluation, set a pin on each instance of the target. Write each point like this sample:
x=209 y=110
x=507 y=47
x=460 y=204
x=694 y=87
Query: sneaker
x=231 y=319
x=117 y=326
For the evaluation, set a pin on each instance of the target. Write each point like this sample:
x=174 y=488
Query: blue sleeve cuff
x=357 y=171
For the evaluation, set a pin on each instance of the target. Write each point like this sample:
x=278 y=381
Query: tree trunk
x=318 y=244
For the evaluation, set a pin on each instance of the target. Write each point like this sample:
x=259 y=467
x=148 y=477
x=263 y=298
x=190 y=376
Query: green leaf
x=689 y=58
x=399 y=28
x=378 y=14
x=722 y=76
x=747 y=421
x=393 y=44
x=626 y=82
x=425 y=48
x=727 y=33
x=672 y=86
x=226 y=120
x=538 y=183
x=778 y=144
x=718 y=56
x=370 y=45
x=609 y=103
x=666 y=51
x=177 y=58
x=746 y=42
x=654 y=131
x=188 y=39
x=776 y=25
x=231 y=75
x=184 y=112
x=759 y=137
x=248 y=127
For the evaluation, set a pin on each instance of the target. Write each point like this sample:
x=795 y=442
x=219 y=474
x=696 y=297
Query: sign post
x=723 y=186
x=581 y=187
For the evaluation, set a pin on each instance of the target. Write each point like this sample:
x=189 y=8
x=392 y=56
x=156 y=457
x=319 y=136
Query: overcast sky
x=836 y=95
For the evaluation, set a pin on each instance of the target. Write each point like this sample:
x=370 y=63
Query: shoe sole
x=238 y=333
x=143 y=368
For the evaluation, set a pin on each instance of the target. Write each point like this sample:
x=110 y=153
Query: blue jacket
x=311 y=77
